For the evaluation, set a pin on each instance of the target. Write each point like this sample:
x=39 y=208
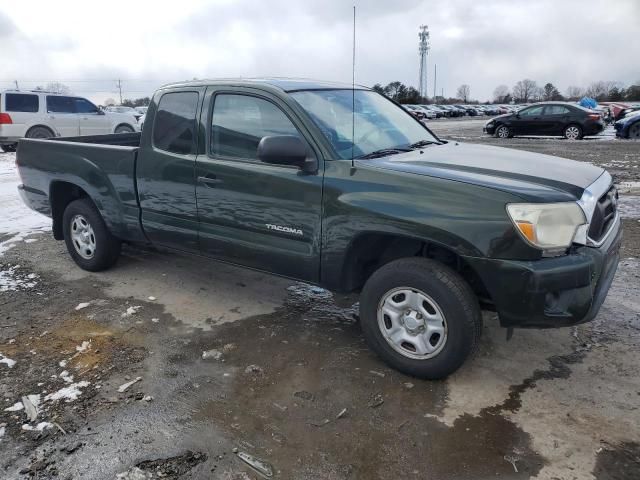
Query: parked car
x=428 y=113
x=38 y=114
x=553 y=118
x=415 y=111
x=141 y=110
x=267 y=174
x=629 y=126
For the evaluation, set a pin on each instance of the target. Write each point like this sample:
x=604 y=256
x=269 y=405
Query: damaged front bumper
x=551 y=292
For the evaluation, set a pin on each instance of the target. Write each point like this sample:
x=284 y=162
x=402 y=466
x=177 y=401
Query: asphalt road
x=224 y=359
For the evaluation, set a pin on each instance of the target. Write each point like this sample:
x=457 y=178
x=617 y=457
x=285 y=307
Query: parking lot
x=170 y=366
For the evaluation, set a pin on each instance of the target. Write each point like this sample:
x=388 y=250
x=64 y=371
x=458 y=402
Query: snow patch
x=83 y=305
x=17 y=220
x=86 y=345
x=131 y=311
x=16 y=407
x=70 y=393
x=39 y=427
x=66 y=377
x=7 y=361
x=11 y=279
x=125 y=386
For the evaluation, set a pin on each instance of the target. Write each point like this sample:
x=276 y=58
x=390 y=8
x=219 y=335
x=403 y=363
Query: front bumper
x=489 y=129
x=551 y=292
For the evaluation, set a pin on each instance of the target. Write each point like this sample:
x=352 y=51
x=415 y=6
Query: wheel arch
x=61 y=194
x=371 y=250
x=124 y=124
x=41 y=125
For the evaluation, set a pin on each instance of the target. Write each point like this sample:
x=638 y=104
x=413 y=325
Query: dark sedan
x=566 y=119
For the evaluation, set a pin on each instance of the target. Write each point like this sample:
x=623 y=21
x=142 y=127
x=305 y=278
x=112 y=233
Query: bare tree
x=574 y=93
x=500 y=94
x=57 y=87
x=109 y=102
x=524 y=90
x=463 y=92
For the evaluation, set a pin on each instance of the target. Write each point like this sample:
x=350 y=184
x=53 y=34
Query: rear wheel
x=124 y=129
x=420 y=317
x=634 y=131
x=39 y=132
x=573 y=132
x=88 y=240
x=503 y=132
x=9 y=148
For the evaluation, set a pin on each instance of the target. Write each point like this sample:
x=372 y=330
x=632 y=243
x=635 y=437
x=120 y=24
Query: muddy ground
x=226 y=362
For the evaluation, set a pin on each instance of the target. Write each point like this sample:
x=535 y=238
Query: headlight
x=549 y=226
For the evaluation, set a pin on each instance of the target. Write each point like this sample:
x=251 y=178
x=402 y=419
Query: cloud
x=483 y=44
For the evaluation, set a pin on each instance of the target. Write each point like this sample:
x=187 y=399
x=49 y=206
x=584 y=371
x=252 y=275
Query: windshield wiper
x=383 y=152
x=423 y=143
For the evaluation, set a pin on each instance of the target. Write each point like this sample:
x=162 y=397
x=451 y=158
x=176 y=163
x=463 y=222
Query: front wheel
x=503 y=132
x=420 y=317
x=573 y=132
x=88 y=240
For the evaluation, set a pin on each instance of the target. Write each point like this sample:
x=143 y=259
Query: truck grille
x=603 y=215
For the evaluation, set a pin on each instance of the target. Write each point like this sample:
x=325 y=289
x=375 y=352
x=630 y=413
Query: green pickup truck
x=341 y=188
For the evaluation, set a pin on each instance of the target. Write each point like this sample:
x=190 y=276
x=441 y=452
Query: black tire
x=634 y=131
x=502 y=131
x=106 y=246
x=569 y=130
x=123 y=128
x=9 y=148
x=454 y=298
x=39 y=132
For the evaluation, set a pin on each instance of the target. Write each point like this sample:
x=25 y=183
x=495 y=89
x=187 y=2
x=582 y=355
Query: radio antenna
x=353 y=88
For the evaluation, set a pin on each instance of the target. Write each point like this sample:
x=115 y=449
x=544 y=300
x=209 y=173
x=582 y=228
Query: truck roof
x=281 y=83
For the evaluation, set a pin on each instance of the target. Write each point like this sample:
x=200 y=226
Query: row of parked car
x=430 y=112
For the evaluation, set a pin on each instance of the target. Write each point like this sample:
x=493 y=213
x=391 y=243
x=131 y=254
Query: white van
x=37 y=114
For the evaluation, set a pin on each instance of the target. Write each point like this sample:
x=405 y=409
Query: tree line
x=528 y=90
x=524 y=91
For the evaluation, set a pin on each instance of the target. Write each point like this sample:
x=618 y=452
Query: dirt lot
x=226 y=362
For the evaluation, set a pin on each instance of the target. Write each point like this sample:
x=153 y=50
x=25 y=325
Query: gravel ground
x=169 y=366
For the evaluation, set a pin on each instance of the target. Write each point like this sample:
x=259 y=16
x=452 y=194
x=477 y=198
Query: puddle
x=304 y=390
x=620 y=462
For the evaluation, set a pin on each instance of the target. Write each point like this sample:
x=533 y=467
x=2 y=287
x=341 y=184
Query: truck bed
x=102 y=166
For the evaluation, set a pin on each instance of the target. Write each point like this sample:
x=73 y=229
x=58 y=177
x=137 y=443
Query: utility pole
x=119 y=86
x=16 y=82
x=423 y=49
x=435 y=78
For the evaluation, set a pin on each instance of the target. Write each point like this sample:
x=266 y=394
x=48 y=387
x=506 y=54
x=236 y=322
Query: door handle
x=209 y=180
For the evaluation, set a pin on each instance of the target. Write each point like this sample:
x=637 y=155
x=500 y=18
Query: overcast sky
x=482 y=43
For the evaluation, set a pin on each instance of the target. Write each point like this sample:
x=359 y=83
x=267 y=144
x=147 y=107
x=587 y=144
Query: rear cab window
x=20 y=102
x=174 y=127
x=60 y=104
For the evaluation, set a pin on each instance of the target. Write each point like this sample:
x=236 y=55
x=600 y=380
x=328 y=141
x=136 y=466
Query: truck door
x=61 y=113
x=251 y=213
x=165 y=169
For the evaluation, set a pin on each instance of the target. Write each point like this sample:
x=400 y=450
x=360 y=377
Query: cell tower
x=423 y=49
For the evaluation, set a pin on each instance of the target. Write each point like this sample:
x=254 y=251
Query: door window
x=18 y=102
x=174 y=128
x=556 y=110
x=59 y=104
x=85 y=106
x=530 y=112
x=240 y=121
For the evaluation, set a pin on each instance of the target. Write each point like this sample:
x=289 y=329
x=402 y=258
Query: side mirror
x=286 y=150
x=100 y=112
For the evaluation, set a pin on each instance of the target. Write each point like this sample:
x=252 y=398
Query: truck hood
x=532 y=176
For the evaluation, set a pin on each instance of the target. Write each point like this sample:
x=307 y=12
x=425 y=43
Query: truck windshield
x=379 y=125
